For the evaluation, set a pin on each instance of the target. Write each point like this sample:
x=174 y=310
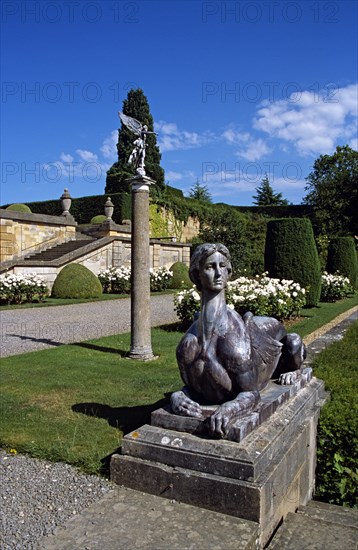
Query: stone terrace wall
x=23 y=233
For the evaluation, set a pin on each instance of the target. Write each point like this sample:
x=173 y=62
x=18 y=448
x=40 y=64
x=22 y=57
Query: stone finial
x=65 y=202
x=108 y=208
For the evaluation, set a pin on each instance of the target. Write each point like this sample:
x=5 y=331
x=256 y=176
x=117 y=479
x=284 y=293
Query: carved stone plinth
x=262 y=478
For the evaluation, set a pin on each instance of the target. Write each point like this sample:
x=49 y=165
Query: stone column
x=141 y=345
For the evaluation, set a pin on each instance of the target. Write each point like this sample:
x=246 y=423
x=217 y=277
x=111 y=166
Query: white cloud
x=313 y=123
x=66 y=158
x=109 y=146
x=170 y=138
x=172 y=176
x=249 y=148
x=87 y=156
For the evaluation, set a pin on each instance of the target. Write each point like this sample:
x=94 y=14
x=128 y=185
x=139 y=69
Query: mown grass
x=313 y=318
x=75 y=402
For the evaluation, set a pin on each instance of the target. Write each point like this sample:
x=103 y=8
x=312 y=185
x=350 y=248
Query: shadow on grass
x=121 y=352
x=174 y=327
x=126 y=419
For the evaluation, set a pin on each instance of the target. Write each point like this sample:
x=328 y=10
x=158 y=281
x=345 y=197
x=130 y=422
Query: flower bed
x=334 y=287
x=19 y=288
x=117 y=280
x=261 y=295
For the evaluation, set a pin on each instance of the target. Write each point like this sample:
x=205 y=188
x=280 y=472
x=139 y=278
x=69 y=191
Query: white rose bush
x=117 y=280
x=186 y=304
x=261 y=295
x=334 y=287
x=17 y=288
x=160 y=278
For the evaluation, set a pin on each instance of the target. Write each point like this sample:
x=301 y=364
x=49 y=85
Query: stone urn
x=66 y=202
x=108 y=208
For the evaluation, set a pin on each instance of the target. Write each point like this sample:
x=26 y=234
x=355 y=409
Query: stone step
x=310 y=529
x=330 y=513
x=57 y=251
x=131 y=519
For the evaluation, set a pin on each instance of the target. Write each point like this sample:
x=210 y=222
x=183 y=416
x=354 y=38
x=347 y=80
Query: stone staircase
x=59 y=250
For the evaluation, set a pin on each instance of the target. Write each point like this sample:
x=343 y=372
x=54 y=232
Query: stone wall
x=115 y=253
x=23 y=233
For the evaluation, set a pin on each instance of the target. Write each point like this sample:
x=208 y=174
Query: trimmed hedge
x=180 y=277
x=291 y=253
x=18 y=208
x=97 y=220
x=83 y=209
x=76 y=281
x=342 y=257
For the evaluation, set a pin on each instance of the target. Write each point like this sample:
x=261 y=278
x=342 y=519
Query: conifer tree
x=136 y=106
x=266 y=196
x=200 y=193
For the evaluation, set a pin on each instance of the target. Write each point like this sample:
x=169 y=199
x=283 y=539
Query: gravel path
x=37 y=496
x=24 y=330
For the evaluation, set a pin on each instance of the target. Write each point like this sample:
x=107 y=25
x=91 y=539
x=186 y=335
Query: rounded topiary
x=342 y=257
x=19 y=208
x=96 y=220
x=291 y=253
x=76 y=281
x=181 y=277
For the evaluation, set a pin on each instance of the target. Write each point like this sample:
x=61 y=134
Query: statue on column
x=137 y=156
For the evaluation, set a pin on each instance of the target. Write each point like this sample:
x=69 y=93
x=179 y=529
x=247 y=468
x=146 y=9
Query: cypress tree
x=342 y=257
x=291 y=253
x=136 y=106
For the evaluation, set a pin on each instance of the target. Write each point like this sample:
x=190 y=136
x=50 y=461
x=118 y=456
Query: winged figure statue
x=137 y=156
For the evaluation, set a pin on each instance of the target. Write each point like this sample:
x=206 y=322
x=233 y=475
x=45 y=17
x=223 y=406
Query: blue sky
x=236 y=89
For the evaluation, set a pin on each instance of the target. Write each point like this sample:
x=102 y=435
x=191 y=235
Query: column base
x=141 y=354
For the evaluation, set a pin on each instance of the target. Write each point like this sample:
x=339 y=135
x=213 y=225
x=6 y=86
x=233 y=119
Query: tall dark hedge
x=291 y=253
x=83 y=209
x=342 y=257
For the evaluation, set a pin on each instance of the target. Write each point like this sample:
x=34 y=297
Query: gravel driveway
x=24 y=330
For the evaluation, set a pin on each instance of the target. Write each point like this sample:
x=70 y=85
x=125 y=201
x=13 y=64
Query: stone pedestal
x=261 y=478
x=141 y=346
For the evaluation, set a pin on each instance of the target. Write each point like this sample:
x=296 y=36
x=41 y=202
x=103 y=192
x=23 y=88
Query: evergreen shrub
x=291 y=253
x=342 y=257
x=18 y=208
x=180 y=277
x=76 y=281
x=97 y=220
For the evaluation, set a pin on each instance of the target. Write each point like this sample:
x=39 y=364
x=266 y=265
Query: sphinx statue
x=225 y=359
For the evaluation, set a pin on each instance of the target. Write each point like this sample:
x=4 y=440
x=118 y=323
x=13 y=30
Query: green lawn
x=314 y=318
x=74 y=403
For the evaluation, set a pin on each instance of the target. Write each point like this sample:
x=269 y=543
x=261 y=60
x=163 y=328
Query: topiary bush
x=97 y=220
x=342 y=257
x=291 y=253
x=76 y=281
x=181 y=277
x=19 y=208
